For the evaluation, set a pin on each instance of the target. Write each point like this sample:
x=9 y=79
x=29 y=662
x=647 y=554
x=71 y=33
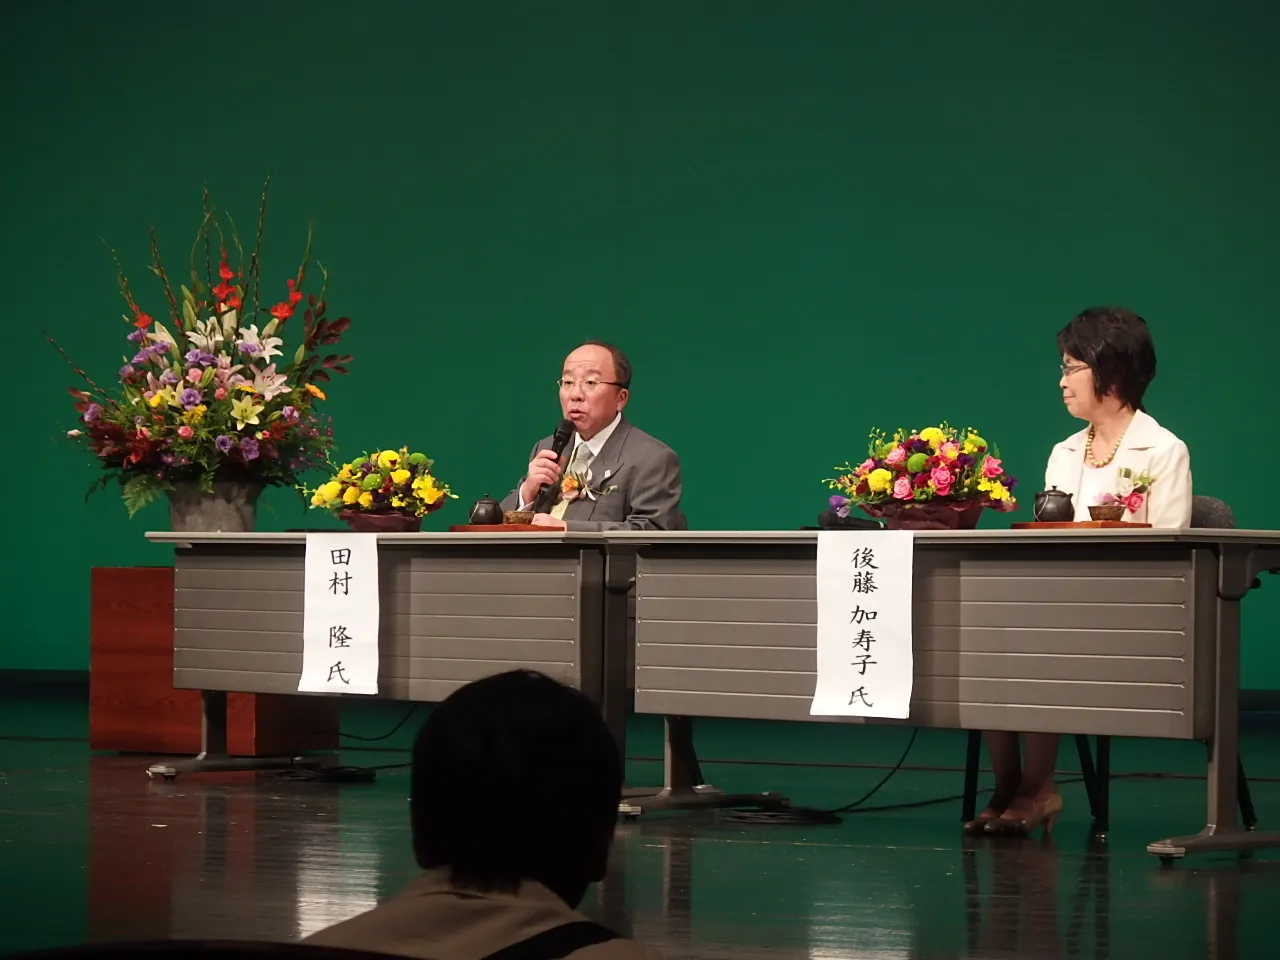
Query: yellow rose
x=879 y=480
x=317 y=500
x=400 y=476
x=345 y=473
x=331 y=491
x=388 y=459
x=366 y=499
x=350 y=495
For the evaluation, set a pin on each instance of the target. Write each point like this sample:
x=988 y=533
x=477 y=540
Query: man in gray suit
x=613 y=476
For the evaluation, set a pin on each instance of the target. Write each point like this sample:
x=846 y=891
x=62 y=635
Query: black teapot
x=486 y=511
x=1053 y=506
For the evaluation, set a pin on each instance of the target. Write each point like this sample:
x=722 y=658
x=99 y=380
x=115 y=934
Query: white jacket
x=1147 y=448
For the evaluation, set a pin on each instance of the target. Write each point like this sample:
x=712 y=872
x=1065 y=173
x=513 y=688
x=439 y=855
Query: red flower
x=282 y=311
x=224 y=271
x=142 y=321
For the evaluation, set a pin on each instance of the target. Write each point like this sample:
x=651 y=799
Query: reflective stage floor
x=91 y=849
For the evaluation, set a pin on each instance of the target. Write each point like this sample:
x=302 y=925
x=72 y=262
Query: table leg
x=213 y=756
x=681 y=790
x=1222 y=831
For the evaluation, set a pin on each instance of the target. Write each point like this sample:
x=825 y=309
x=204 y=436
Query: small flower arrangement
x=1131 y=490
x=203 y=400
x=938 y=466
x=576 y=483
x=393 y=483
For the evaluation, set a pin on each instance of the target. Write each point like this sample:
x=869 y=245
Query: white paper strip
x=864 y=624
x=341 y=613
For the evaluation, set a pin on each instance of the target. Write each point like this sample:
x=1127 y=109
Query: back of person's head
x=516 y=777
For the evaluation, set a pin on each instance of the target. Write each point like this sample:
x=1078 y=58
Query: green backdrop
x=800 y=219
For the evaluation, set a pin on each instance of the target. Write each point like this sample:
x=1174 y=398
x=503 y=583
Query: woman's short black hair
x=515 y=777
x=1117 y=345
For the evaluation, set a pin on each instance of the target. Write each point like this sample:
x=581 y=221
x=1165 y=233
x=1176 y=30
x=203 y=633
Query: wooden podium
x=133 y=704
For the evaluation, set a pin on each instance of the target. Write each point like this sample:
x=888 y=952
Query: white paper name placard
x=340 y=614
x=864 y=624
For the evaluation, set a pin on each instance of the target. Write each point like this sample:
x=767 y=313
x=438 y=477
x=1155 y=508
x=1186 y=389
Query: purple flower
x=200 y=357
x=189 y=398
x=839 y=504
x=159 y=348
x=135 y=336
x=92 y=413
x=249 y=349
x=224 y=443
x=965 y=461
x=289 y=413
x=249 y=448
x=169 y=378
x=168 y=458
x=142 y=356
x=127 y=371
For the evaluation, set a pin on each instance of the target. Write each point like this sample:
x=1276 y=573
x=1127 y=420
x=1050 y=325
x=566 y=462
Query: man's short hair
x=1117 y=345
x=621 y=365
x=515 y=777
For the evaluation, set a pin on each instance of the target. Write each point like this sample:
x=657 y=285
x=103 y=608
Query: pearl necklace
x=1088 y=448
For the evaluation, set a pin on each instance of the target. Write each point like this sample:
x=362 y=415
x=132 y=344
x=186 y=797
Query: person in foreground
x=514 y=797
x=1123 y=455
x=613 y=476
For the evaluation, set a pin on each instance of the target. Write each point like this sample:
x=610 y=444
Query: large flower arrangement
x=936 y=466
x=384 y=482
x=204 y=400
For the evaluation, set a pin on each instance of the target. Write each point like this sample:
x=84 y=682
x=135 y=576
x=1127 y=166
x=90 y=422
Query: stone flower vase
x=231 y=508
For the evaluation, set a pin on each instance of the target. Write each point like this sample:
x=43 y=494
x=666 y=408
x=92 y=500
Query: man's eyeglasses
x=587 y=386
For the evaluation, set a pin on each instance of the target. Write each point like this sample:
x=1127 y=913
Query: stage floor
x=91 y=849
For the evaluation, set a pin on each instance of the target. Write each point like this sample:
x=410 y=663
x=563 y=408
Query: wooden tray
x=500 y=528
x=1080 y=525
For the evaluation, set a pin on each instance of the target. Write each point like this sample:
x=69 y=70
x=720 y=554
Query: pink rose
x=185 y=432
x=867 y=466
x=902 y=488
x=942 y=480
x=194 y=375
x=896 y=456
x=950 y=450
x=220 y=394
x=991 y=468
x=1133 y=502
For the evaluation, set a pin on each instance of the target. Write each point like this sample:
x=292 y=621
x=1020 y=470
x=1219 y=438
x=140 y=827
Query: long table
x=1111 y=632
x=454 y=608
x=1115 y=632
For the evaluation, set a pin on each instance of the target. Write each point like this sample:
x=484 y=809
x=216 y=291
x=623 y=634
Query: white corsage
x=575 y=485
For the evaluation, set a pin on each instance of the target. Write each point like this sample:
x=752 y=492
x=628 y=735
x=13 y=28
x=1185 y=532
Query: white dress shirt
x=1147 y=448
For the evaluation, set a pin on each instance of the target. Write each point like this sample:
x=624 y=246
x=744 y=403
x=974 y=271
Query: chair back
x=1212 y=513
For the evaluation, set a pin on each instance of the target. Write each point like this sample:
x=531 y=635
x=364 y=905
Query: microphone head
x=562 y=435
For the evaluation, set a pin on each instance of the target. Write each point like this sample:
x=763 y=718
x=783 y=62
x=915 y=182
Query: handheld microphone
x=546 y=496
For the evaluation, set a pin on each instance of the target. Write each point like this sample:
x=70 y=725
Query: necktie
x=581 y=460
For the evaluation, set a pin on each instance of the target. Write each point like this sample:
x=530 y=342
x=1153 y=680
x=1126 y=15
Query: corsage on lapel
x=577 y=484
x=1131 y=490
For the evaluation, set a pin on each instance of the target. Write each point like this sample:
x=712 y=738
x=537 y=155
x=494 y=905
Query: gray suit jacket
x=647 y=474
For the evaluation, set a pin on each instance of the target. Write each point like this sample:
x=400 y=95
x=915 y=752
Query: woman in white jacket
x=1123 y=455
